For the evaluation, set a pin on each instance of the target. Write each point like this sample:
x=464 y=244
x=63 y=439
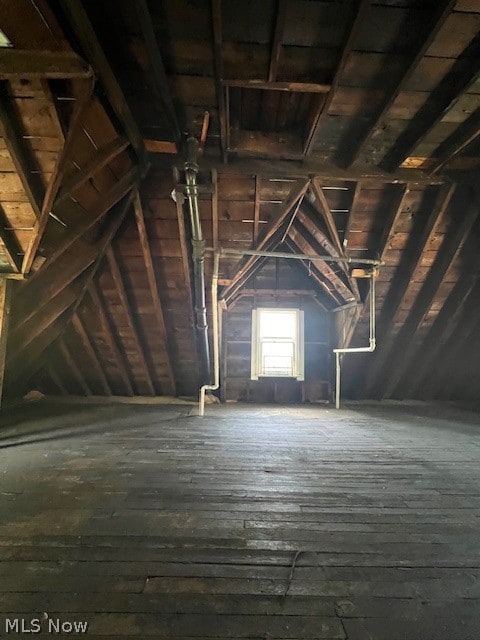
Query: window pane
x=277 y=348
x=277 y=366
x=278 y=324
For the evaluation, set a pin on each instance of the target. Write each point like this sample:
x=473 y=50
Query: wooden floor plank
x=254 y=522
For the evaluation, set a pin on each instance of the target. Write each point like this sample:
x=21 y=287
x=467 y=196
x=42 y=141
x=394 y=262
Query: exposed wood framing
x=169 y=385
x=83 y=99
x=156 y=72
x=447 y=321
x=290 y=87
x=21 y=157
x=100 y=160
x=442 y=11
x=73 y=368
x=277 y=40
x=218 y=57
x=458 y=80
x=457 y=142
x=406 y=340
x=404 y=277
x=312 y=167
x=5 y=302
x=244 y=268
x=55 y=65
x=327 y=215
x=56 y=379
x=86 y=36
x=11 y=246
x=90 y=351
x=52 y=104
x=122 y=295
x=107 y=332
x=95 y=214
x=358 y=13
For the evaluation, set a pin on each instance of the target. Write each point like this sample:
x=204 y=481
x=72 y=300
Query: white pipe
x=216 y=328
x=295 y=256
x=369 y=349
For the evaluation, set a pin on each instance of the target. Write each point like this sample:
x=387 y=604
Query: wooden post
x=5 y=300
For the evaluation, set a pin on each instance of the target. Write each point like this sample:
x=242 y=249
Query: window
x=277 y=343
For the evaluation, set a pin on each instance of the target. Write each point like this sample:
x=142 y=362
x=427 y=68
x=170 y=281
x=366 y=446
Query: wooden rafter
x=81 y=104
x=216 y=6
x=298 y=233
x=457 y=142
x=91 y=354
x=103 y=205
x=156 y=72
x=54 y=65
x=20 y=154
x=324 y=209
x=442 y=11
x=406 y=339
x=107 y=333
x=122 y=295
x=457 y=81
x=297 y=245
x=12 y=248
x=88 y=40
x=169 y=385
x=52 y=106
x=325 y=171
x=277 y=40
x=244 y=268
x=358 y=13
x=403 y=279
x=100 y=160
x=444 y=326
x=73 y=368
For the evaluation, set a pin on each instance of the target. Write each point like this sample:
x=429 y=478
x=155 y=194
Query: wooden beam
x=297 y=234
x=277 y=40
x=359 y=9
x=311 y=167
x=290 y=87
x=405 y=346
x=16 y=64
x=103 y=205
x=107 y=332
x=88 y=40
x=122 y=295
x=81 y=104
x=442 y=11
x=13 y=250
x=55 y=378
x=100 y=160
x=445 y=325
x=90 y=351
x=459 y=80
x=160 y=146
x=324 y=209
x=73 y=368
x=457 y=142
x=169 y=387
x=5 y=303
x=245 y=265
x=156 y=74
x=21 y=157
x=216 y=6
x=297 y=246
x=403 y=279
x=52 y=106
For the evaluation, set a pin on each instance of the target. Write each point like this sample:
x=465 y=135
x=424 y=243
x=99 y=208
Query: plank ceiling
x=335 y=127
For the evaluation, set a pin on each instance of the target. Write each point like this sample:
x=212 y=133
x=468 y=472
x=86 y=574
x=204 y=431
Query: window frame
x=298 y=372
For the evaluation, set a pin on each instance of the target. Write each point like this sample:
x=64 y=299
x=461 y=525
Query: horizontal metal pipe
x=295 y=256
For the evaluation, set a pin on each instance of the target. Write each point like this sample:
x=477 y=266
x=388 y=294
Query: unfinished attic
x=271 y=209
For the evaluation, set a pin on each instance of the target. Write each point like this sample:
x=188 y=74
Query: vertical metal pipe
x=198 y=245
x=216 y=328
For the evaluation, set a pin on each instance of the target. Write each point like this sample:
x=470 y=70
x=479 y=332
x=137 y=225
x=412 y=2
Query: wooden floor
x=254 y=522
